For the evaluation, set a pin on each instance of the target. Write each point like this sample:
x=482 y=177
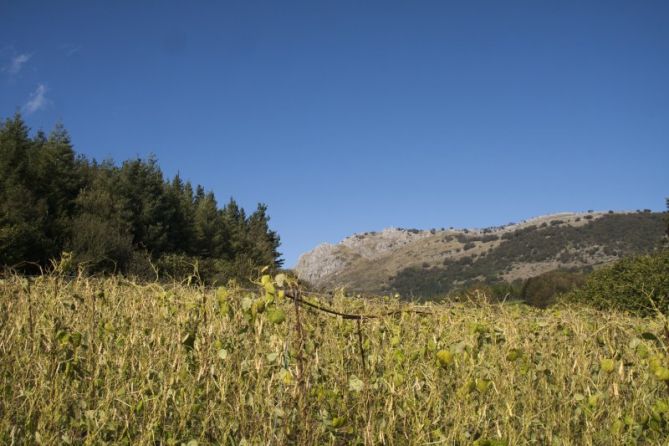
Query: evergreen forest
x=127 y=218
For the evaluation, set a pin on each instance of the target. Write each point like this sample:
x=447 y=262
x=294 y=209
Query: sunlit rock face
x=326 y=260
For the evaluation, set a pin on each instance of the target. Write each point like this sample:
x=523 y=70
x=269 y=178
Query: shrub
x=496 y=291
x=636 y=284
x=462 y=238
x=140 y=266
x=100 y=244
x=177 y=267
x=540 y=291
x=566 y=257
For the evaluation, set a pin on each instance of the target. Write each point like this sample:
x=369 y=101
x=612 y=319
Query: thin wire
x=350 y=316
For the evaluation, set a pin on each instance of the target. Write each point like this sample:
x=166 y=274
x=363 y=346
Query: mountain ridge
x=401 y=260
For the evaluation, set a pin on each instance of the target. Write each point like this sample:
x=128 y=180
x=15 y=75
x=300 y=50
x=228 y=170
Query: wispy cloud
x=17 y=62
x=69 y=49
x=37 y=100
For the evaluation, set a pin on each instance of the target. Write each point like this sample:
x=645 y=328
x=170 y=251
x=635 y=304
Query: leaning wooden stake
x=302 y=431
x=360 y=346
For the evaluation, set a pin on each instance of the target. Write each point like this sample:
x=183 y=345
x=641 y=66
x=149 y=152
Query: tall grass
x=107 y=361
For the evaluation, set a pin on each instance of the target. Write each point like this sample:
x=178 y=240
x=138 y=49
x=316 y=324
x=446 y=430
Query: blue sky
x=355 y=116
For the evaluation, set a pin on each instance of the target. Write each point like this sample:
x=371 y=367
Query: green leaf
x=276 y=315
x=224 y=309
x=482 y=385
x=616 y=427
x=259 y=306
x=269 y=288
x=662 y=373
x=486 y=442
x=75 y=339
x=286 y=377
x=355 y=384
x=593 y=400
x=607 y=365
x=338 y=422
x=650 y=336
x=247 y=303
x=222 y=294
x=445 y=358
x=514 y=354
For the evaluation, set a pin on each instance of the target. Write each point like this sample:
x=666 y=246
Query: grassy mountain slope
x=427 y=263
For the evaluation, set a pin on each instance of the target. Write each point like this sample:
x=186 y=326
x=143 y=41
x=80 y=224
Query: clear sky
x=355 y=116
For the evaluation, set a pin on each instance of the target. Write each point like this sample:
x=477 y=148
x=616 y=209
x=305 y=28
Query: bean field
x=109 y=361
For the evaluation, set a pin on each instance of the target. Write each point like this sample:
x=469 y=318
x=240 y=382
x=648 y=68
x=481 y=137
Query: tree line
x=125 y=218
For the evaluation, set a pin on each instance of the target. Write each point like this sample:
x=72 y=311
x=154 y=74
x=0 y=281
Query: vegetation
x=636 y=284
x=542 y=290
x=539 y=291
x=615 y=235
x=118 y=218
x=667 y=218
x=109 y=361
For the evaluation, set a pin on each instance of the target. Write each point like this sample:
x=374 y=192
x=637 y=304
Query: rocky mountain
x=424 y=263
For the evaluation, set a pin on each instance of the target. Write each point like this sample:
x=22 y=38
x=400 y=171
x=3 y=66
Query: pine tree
x=22 y=213
x=102 y=236
x=141 y=187
x=60 y=181
x=667 y=201
x=180 y=214
x=210 y=234
x=264 y=243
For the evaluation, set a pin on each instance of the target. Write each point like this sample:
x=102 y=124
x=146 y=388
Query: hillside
x=424 y=263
